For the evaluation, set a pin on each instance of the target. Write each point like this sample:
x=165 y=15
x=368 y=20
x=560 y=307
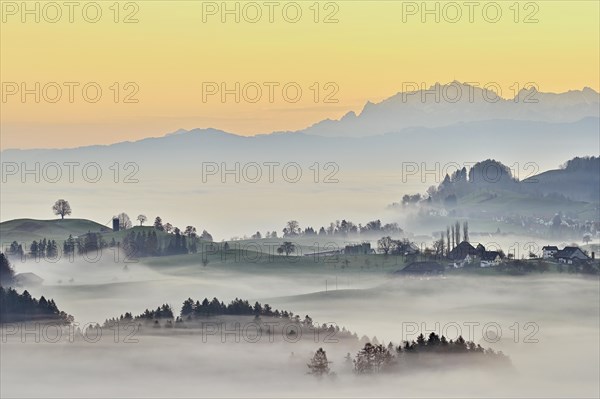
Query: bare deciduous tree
x=287 y=247
x=124 y=221
x=385 y=245
x=62 y=208
x=142 y=219
x=292 y=228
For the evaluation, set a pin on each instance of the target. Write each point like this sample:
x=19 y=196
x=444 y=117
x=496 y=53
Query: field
x=544 y=334
x=359 y=293
x=27 y=230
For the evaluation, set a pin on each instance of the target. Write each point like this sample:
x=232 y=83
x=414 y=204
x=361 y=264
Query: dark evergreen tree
x=15 y=307
x=7 y=274
x=319 y=365
x=187 y=308
x=158 y=224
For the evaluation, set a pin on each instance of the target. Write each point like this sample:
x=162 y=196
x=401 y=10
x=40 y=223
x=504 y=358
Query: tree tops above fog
x=461 y=182
x=576 y=179
x=376 y=358
x=206 y=308
x=585 y=164
x=15 y=307
x=7 y=274
x=338 y=228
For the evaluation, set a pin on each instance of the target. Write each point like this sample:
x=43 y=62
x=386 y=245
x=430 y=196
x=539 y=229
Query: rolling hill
x=578 y=181
x=27 y=230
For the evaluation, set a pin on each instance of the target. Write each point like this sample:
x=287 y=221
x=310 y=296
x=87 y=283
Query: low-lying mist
x=547 y=324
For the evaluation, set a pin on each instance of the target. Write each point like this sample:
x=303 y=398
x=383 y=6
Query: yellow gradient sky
x=367 y=55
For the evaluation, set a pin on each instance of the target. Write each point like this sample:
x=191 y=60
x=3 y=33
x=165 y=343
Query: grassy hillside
x=27 y=230
x=487 y=203
x=249 y=261
x=579 y=180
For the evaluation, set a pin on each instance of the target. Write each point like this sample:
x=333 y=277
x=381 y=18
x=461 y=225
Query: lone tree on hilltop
x=142 y=219
x=62 y=208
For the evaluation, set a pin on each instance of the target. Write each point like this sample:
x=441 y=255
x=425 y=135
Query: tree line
x=7 y=273
x=197 y=309
x=376 y=358
x=341 y=228
x=452 y=238
x=15 y=307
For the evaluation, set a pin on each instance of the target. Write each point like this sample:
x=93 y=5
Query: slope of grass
x=24 y=231
x=504 y=201
x=28 y=230
x=247 y=261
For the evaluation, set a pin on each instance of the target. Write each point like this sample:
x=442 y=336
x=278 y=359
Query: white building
x=549 y=251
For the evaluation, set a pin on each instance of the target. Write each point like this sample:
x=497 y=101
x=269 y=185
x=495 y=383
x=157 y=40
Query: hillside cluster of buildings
x=466 y=254
x=568 y=255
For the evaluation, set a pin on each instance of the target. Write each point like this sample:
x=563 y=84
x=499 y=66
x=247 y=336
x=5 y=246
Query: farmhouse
x=549 y=251
x=570 y=254
x=462 y=263
x=463 y=249
x=465 y=254
x=358 y=249
x=490 y=258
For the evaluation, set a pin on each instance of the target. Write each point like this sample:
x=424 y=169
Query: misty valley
x=334 y=309
x=313 y=199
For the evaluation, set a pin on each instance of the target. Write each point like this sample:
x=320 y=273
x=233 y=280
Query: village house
x=460 y=252
x=464 y=262
x=358 y=249
x=549 y=251
x=490 y=258
x=465 y=254
x=569 y=255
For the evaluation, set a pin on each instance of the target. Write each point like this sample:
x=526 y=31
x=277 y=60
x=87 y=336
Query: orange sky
x=157 y=71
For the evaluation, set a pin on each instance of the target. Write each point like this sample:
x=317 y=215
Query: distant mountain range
x=443 y=105
x=512 y=141
x=379 y=141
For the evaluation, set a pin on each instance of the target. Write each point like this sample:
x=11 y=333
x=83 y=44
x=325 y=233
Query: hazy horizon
x=322 y=199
